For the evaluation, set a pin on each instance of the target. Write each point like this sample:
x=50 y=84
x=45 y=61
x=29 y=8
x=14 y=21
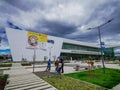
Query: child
x=48 y=67
x=59 y=69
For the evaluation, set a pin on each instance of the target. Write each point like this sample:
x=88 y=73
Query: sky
x=62 y=18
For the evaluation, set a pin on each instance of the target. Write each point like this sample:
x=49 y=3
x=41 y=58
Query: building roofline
x=74 y=42
x=70 y=41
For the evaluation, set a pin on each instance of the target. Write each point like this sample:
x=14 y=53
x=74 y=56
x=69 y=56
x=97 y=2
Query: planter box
x=26 y=64
x=5 y=65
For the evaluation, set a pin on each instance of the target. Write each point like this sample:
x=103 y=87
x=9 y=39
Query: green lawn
x=108 y=80
x=67 y=83
x=4 y=76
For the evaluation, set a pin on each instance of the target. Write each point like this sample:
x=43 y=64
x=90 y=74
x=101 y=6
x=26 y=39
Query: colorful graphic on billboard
x=36 y=40
x=42 y=38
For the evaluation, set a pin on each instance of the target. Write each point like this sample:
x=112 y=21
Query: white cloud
x=4 y=46
x=28 y=19
x=72 y=12
x=110 y=41
x=69 y=13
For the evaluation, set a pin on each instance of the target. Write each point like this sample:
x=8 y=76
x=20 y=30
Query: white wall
x=18 y=44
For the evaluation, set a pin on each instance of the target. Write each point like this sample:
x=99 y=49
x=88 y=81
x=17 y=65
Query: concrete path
x=116 y=87
x=22 y=79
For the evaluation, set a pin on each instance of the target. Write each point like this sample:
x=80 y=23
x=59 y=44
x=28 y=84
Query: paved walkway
x=69 y=69
x=116 y=87
x=21 y=79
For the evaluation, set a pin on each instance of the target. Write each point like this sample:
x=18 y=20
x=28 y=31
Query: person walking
x=56 y=65
x=48 y=67
x=59 y=69
x=62 y=65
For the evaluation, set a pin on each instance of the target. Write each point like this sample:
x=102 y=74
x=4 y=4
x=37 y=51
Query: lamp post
x=50 y=52
x=51 y=42
x=34 y=58
x=99 y=33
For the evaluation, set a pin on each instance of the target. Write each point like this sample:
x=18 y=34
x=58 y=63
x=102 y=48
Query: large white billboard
x=22 y=44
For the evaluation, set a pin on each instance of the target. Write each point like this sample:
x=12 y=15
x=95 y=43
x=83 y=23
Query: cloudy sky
x=63 y=18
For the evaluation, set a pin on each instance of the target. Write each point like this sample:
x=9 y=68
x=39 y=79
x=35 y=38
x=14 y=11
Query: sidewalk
x=22 y=79
x=116 y=87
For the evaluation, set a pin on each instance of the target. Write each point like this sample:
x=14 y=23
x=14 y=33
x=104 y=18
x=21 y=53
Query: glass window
x=79 y=47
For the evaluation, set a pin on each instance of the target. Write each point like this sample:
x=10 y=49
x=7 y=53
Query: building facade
x=47 y=46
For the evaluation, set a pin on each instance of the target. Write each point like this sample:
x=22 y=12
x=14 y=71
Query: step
x=20 y=83
x=15 y=82
x=43 y=88
x=21 y=79
x=25 y=85
x=28 y=87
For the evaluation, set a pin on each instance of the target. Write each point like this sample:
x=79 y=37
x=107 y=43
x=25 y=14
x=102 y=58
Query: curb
x=116 y=87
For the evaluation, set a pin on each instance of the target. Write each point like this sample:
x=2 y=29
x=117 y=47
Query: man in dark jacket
x=62 y=66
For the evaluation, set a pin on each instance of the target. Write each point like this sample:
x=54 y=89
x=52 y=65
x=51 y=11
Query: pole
x=50 y=54
x=101 y=50
x=34 y=57
x=98 y=27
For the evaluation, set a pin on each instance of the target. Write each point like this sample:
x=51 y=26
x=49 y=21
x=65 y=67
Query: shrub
x=26 y=64
x=3 y=81
x=5 y=65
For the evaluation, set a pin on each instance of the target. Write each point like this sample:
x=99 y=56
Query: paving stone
x=25 y=85
x=44 y=87
x=29 y=87
x=21 y=79
x=20 y=83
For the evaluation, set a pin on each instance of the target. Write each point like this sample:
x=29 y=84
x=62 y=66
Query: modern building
x=29 y=45
x=77 y=50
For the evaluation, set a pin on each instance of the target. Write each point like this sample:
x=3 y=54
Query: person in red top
x=56 y=64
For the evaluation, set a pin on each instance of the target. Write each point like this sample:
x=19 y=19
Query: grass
x=108 y=80
x=67 y=83
x=4 y=76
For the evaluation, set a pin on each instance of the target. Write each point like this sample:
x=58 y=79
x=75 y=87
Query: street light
x=98 y=27
x=34 y=59
x=51 y=42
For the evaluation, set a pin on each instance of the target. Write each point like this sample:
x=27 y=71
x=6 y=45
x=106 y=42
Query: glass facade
x=67 y=56
x=78 y=47
x=109 y=52
x=76 y=56
x=117 y=51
